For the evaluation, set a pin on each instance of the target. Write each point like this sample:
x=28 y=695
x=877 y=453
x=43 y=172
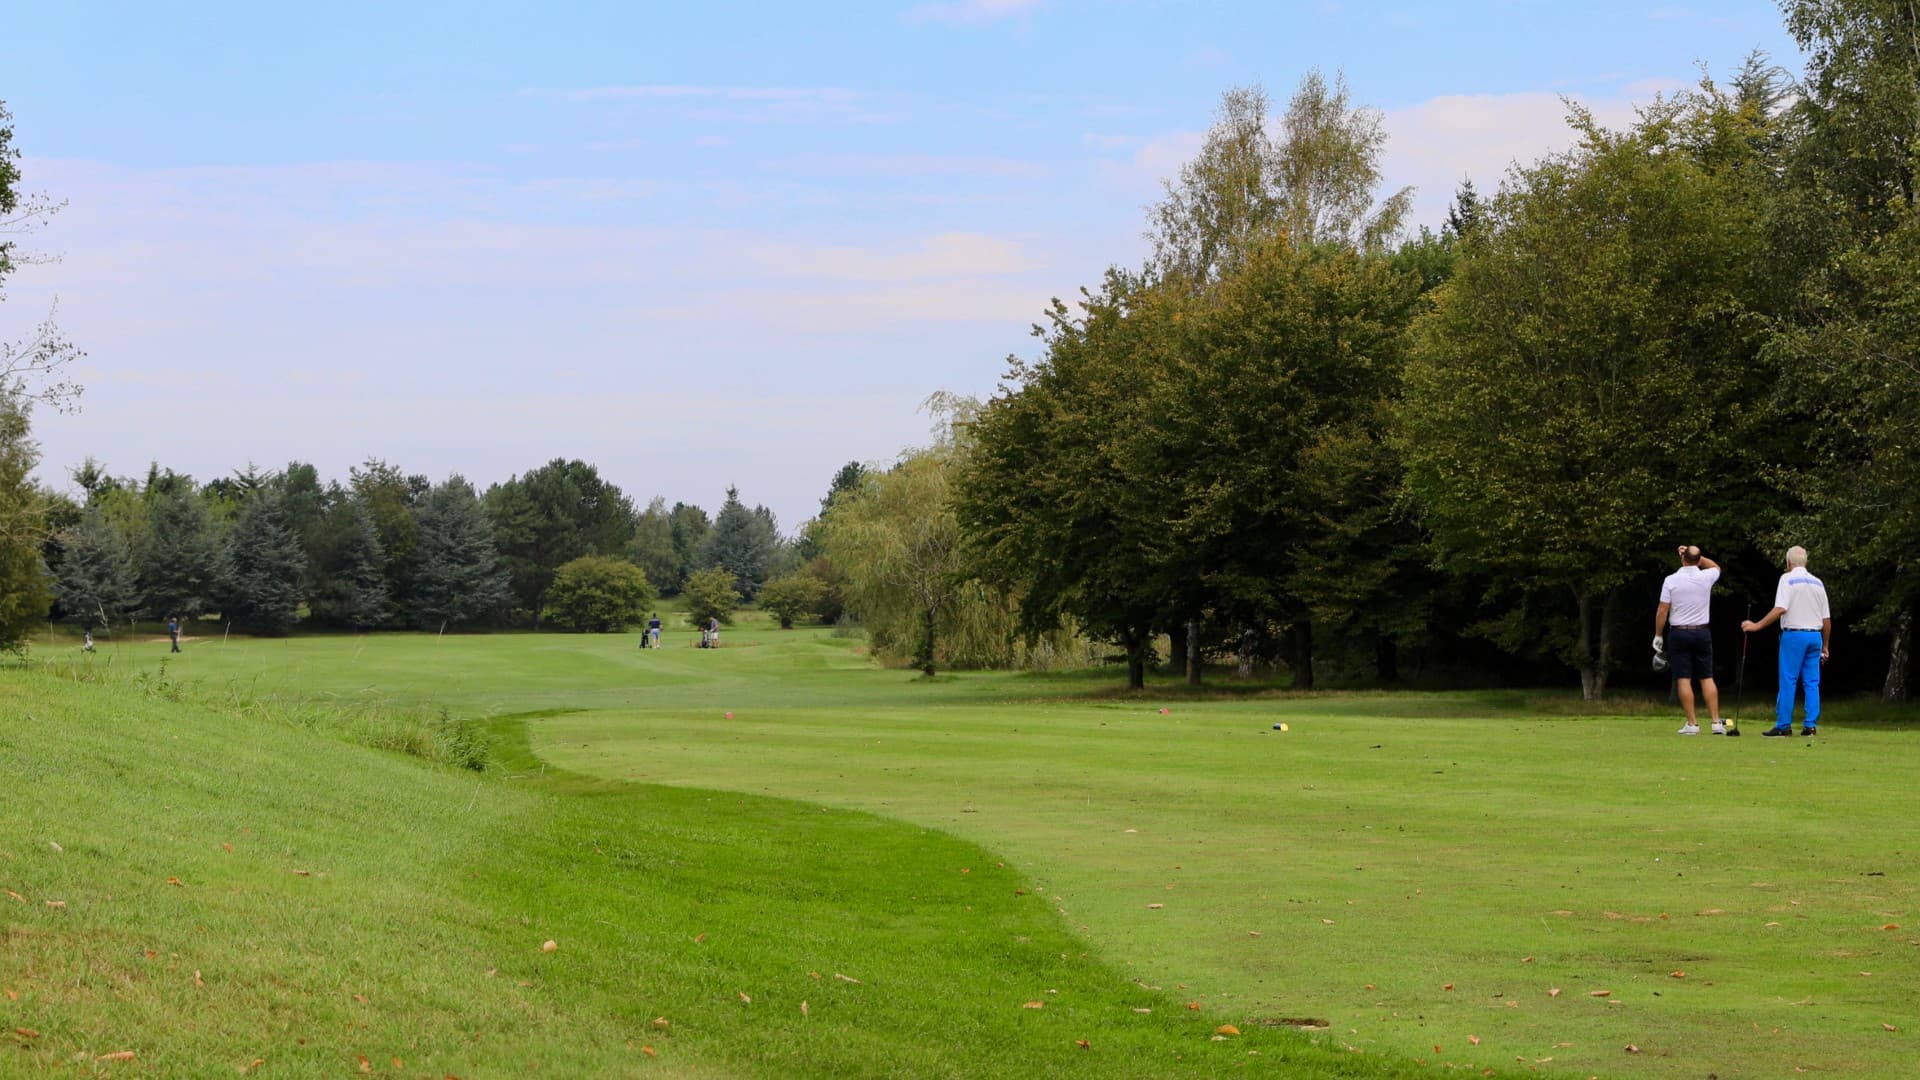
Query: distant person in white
x=1806 y=641
x=1680 y=628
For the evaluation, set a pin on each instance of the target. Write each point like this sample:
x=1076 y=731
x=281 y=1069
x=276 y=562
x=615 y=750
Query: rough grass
x=1421 y=870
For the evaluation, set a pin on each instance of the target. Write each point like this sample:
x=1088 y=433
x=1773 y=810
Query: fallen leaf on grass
x=117 y=1055
x=1155 y=907
x=744 y=999
x=1326 y=922
x=649 y=1051
x=1526 y=959
x=26 y=1033
x=1034 y=1005
x=1193 y=1006
x=1554 y=992
x=846 y=978
x=662 y=1023
x=13 y=995
x=549 y=945
x=197 y=980
x=1226 y=1029
x=1449 y=986
x=1474 y=1039
x=1253 y=933
x=1369 y=986
x=56 y=903
x=301 y=873
x=365 y=1065
x=1889 y=1027
x=55 y=845
x=250 y=1066
x=1676 y=974
x=1599 y=993
x=362 y=998
x=1711 y=911
x=1083 y=1044
x=176 y=882
x=398 y=1064
x=1632 y=1049
x=16 y=897
x=804 y=1011
x=699 y=939
x=1142 y=1010
x=1891 y=926
x=226 y=847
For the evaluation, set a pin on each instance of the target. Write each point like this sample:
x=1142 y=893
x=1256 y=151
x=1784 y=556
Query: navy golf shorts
x=1691 y=653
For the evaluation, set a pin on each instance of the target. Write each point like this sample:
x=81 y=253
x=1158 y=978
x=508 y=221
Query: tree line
x=556 y=546
x=1296 y=437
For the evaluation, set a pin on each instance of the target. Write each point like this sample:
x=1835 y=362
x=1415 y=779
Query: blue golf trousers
x=1799 y=663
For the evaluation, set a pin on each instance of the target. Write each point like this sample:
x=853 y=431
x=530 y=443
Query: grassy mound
x=205 y=892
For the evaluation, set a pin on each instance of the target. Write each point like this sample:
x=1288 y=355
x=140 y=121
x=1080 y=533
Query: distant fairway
x=1420 y=872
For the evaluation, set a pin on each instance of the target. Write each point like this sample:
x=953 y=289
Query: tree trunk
x=1596 y=645
x=1192 y=652
x=1303 y=655
x=1243 y=653
x=1386 y=659
x=1177 y=645
x=1900 y=662
x=923 y=658
x=1136 y=645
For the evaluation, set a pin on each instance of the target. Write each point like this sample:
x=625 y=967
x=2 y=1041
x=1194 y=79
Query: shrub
x=709 y=594
x=792 y=597
x=598 y=594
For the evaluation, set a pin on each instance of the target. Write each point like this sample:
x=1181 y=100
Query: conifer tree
x=264 y=568
x=742 y=542
x=96 y=584
x=457 y=574
x=178 y=558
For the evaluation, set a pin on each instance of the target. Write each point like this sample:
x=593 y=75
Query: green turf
x=1419 y=871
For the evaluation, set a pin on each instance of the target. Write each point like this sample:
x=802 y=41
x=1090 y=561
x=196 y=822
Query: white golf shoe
x=1719 y=727
x=1690 y=729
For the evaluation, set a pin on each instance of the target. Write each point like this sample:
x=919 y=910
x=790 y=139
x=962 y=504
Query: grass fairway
x=1420 y=872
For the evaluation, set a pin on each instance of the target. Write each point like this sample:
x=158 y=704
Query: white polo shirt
x=1689 y=589
x=1804 y=598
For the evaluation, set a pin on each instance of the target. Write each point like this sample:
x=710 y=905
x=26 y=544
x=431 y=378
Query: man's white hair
x=1797 y=557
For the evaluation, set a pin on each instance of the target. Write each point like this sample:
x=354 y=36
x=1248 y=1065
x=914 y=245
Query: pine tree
x=96 y=583
x=264 y=568
x=351 y=588
x=743 y=542
x=457 y=573
x=179 y=559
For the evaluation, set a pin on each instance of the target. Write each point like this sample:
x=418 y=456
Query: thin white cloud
x=905 y=165
x=683 y=92
x=965 y=12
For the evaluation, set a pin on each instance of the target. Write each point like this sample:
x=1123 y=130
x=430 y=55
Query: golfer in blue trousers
x=1806 y=641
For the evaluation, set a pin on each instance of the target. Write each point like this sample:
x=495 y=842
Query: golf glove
x=1659 y=654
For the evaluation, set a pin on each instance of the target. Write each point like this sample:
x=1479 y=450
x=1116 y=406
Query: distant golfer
x=89 y=645
x=713 y=631
x=173 y=631
x=652 y=640
x=1680 y=628
x=1806 y=641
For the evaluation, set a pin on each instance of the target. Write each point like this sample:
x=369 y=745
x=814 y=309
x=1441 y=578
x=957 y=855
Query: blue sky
x=697 y=245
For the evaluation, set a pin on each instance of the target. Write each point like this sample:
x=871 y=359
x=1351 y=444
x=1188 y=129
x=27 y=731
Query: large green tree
x=24 y=595
x=1580 y=398
x=552 y=515
x=96 y=584
x=350 y=589
x=652 y=548
x=264 y=567
x=457 y=576
x=742 y=542
x=179 y=553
